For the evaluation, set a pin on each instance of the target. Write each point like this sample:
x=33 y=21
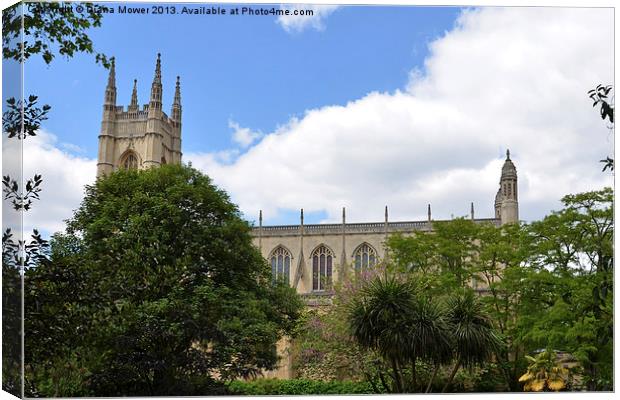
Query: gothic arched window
x=280 y=260
x=322 y=261
x=129 y=160
x=365 y=257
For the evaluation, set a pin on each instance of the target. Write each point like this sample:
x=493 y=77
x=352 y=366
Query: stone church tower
x=139 y=138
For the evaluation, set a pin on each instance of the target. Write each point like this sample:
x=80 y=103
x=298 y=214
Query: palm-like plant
x=378 y=320
x=429 y=337
x=544 y=372
x=391 y=317
x=474 y=337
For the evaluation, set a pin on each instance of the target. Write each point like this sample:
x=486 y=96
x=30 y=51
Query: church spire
x=157 y=78
x=133 y=106
x=110 y=90
x=176 y=105
x=156 y=89
x=177 y=92
x=112 y=75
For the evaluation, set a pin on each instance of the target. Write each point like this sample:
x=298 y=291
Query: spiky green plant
x=472 y=332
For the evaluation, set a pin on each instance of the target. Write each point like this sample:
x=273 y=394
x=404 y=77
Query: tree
x=49 y=27
x=459 y=255
x=29 y=29
x=474 y=338
x=172 y=297
x=443 y=260
x=574 y=251
x=396 y=318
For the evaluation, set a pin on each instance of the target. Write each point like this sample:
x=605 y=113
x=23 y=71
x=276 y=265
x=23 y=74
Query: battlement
x=353 y=228
x=124 y=113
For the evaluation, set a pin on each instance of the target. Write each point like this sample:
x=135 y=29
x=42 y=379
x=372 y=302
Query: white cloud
x=72 y=148
x=64 y=176
x=308 y=16
x=243 y=136
x=503 y=77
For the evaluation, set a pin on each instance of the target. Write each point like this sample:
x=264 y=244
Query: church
x=310 y=257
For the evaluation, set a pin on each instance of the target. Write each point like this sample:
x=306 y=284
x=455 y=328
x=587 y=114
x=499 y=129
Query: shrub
x=262 y=387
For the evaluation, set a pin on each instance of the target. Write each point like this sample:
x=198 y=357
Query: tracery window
x=129 y=161
x=365 y=257
x=322 y=261
x=280 y=264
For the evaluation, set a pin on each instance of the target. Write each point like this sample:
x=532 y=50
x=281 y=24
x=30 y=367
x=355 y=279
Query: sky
x=357 y=107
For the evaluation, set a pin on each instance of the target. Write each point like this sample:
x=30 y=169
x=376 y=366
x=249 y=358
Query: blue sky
x=360 y=107
x=241 y=68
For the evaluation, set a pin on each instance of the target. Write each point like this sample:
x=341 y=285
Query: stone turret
x=508 y=193
x=176 y=113
x=105 y=157
x=154 y=156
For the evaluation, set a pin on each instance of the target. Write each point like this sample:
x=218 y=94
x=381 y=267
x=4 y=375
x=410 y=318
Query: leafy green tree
x=158 y=290
x=574 y=249
x=49 y=27
x=29 y=29
x=500 y=270
x=441 y=261
x=461 y=255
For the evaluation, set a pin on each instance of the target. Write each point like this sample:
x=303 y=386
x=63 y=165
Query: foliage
x=324 y=347
x=443 y=261
x=29 y=29
x=18 y=199
x=473 y=336
x=600 y=96
x=292 y=387
x=23 y=118
x=396 y=318
x=49 y=27
x=547 y=284
x=544 y=372
x=167 y=292
x=574 y=270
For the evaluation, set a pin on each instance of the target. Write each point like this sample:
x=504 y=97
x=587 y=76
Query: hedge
x=261 y=387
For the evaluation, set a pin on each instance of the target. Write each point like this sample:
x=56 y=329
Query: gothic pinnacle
x=110 y=90
x=134 y=94
x=157 y=78
x=156 y=91
x=112 y=75
x=177 y=92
